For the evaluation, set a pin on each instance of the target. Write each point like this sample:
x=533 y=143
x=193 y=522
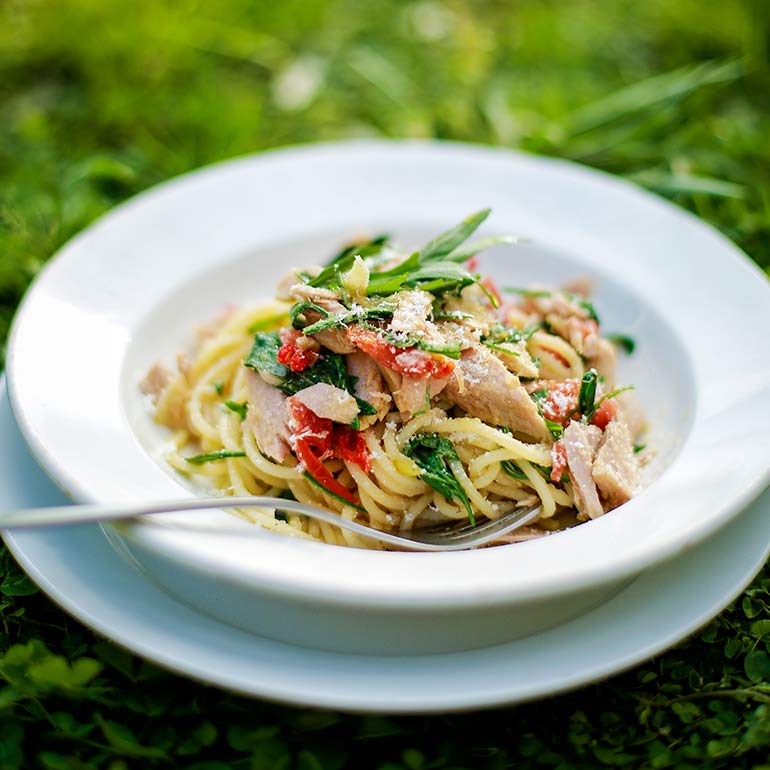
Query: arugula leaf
x=263 y=356
x=448 y=241
x=329 y=368
x=466 y=251
x=611 y=394
x=296 y=314
x=587 y=394
x=220 y=454
x=361 y=249
x=511 y=469
x=239 y=409
x=624 y=341
x=433 y=454
x=364 y=407
x=380 y=311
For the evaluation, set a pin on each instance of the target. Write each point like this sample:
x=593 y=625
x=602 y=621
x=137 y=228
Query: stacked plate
x=305 y=622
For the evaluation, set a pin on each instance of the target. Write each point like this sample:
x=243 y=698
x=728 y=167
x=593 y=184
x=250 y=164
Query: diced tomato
x=327 y=439
x=318 y=471
x=562 y=401
x=605 y=414
x=410 y=361
x=491 y=287
x=315 y=431
x=291 y=354
x=559 y=457
x=472 y=265
x=351 y=446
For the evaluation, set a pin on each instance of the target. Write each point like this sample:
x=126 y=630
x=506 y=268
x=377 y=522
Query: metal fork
x=443 y=537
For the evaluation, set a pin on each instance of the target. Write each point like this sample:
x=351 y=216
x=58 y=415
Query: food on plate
x=406 y=389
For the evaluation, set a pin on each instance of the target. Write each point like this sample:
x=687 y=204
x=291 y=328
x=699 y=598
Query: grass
x=99 y=100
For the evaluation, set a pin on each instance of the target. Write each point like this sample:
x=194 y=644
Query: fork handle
x=54 y=516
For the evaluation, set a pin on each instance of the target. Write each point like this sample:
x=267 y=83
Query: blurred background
x=100 y=99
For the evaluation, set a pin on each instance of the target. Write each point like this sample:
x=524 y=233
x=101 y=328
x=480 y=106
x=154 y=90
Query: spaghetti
x=400 y=391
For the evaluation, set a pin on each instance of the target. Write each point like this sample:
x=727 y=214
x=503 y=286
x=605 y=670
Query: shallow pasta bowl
x=130 y=290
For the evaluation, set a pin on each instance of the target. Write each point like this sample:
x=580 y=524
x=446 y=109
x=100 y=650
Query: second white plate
x=79 y=570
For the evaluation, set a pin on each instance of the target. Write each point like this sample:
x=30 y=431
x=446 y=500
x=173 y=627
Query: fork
x=443 y=537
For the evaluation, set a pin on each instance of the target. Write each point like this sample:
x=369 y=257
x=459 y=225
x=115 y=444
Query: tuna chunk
x=267 y=417
x=334 y=339
x=616 y=468
x=482 y=386
x=369 y=386
x=412 y=394
x=581 y=442
x=156 y=380
x=329 y=402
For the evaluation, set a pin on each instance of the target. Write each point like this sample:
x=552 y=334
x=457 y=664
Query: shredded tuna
x=369 y=386
x=616 y=468
x=156 y=380
x=581 y=442
x=328 y=402
x=267 y=417
x=483 y=387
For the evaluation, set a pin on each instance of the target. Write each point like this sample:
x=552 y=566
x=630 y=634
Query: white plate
x=131 y=288
x=78 y=569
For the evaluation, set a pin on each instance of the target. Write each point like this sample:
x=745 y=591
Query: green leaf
x=587 y=394
x=448 y=241
x=123 y=740
x=56 y=671
x=239 y=408
x=623 y=341
x=209 y=457
x=434 y=455
x=757 y=666
x=297 y=313
x=466 y=251
x=263 y=356
x=18 y=584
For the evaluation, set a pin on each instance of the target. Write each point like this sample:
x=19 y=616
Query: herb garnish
x=220 y=454
x=639 y=448
x=297 y=317
x=239 y=409
x=587 y=394
x=434 y=455
x=623 y=341
x=218 y=386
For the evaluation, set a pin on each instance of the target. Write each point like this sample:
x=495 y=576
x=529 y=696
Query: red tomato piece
x=410 y=361
x=559 y=456
x=472 y=265
x=350 y=445
x=315 y=431
x=562 y=401
x=292 y=355
x=605 y=414
x=318 y=471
